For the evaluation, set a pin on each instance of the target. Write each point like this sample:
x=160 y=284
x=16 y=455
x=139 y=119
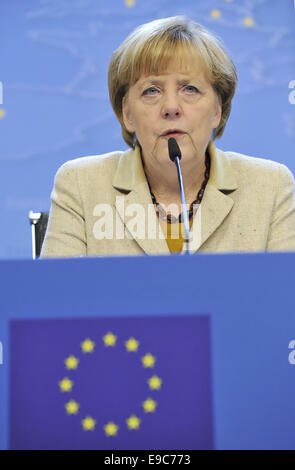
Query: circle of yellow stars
x=72 y=407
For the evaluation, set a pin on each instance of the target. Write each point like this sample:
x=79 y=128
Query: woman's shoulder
x=256 y=166
x=92 y=162
x=251 y=163
x=90 y=168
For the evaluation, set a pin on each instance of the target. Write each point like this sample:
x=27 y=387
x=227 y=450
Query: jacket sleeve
x=281 y=235
x=65 y=234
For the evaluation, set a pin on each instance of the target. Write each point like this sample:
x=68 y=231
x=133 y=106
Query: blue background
x=54 y=58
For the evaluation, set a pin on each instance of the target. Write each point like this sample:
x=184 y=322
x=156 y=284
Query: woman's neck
x=163 y=181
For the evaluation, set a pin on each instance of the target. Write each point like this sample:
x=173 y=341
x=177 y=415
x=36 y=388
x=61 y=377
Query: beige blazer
x=101 y=205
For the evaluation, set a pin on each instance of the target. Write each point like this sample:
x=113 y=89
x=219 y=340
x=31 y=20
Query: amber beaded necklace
x=194 y=205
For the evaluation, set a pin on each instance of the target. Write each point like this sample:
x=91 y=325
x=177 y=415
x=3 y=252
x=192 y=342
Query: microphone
x=174 y=150
x=175 y=156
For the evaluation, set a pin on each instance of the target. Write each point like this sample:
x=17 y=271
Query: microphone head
x=173 y=148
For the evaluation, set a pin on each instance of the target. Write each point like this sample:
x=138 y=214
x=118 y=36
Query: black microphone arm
x=175 y=156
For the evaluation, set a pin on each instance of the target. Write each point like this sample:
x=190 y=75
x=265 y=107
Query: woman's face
x=175 y=103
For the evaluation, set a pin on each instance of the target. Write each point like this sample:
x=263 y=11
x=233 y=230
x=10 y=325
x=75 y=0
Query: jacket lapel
x=215 y=207
x=137 y=212
x=134 y=204
x=217 y=202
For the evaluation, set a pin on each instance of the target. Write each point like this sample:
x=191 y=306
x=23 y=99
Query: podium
x=207 y=352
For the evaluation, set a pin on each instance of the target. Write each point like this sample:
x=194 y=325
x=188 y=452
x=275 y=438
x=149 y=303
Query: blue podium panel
x=99 y=383
x=168 y=352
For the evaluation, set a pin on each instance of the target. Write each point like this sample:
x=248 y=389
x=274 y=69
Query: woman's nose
x=171 y=108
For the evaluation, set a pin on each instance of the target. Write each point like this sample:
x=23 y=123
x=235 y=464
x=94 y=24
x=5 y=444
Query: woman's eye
x=191 y=89
x=150 y=91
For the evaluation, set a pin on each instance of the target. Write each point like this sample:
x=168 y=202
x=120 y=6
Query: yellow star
x=248 y=21
x=129 y=3
x=148 y=360
x=71 y=362
x=149 y=405
x=72 y=407
x=215 y=13
x=131 y=344
x=155 y=382
x=133 y=422
x=111 y=429
x=2 y=113
x=87 y=346
x=109 y=339
x=66 y=385
x=88 y=423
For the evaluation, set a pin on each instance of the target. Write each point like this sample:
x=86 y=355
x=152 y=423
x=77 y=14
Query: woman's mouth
x=175 y=133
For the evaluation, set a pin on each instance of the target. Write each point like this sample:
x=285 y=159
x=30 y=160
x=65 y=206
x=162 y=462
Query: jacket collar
x=130 y=180
x=130 y=172
x=221 y=173
x=216 y=203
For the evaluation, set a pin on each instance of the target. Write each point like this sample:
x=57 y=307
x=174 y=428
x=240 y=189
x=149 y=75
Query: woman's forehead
x=189 y=68
x=185 y=57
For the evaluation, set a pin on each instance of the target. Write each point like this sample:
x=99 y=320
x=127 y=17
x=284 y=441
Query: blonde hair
x=150 y=48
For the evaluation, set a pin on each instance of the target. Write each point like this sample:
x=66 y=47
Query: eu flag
x=111 y=383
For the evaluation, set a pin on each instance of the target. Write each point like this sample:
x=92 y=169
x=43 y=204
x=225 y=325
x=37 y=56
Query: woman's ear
x=126 y=115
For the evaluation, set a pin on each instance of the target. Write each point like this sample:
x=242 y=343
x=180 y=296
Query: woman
x=170 y=78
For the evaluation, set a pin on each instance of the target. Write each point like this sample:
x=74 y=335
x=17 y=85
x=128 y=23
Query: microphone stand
x=175 y=156
x=183 y=205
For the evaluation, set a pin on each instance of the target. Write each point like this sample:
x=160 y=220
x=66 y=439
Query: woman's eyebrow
x=157 y=82
x=186 y=81
x=152 y=81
